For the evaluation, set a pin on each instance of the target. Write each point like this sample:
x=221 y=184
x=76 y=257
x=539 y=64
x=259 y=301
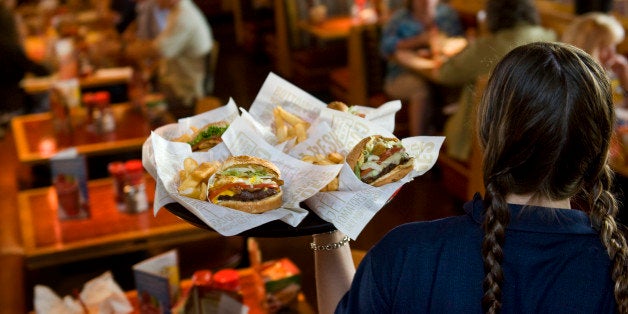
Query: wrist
x=329 y=241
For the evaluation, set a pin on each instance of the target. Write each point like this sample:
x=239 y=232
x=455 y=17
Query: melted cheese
x=224 y=193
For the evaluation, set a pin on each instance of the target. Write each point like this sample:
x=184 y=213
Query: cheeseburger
x=378 y=160
x=246 y=183
x=208 y=136
x=341 y=106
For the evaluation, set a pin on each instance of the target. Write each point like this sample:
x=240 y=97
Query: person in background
x=510 y=23
x=411 y=28
x=15 y=65
x=544 y=236
x=599 y=34
x=151 y=19
x=182 y=47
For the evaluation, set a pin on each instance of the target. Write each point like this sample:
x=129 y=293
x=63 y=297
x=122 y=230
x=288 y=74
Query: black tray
x=311 y=224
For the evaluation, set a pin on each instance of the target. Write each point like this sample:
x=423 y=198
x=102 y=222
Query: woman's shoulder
x=432 y=232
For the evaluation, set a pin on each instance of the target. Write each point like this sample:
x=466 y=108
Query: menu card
x=69 y=178
x=157 y=282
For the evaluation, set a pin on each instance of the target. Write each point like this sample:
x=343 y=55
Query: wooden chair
x=206 y=104
x=462 y=179
x=357 y=255
x=211 y=60
x=295 y=57
x=361 y=81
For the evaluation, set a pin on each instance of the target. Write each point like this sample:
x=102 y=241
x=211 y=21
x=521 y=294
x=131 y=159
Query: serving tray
x=311 y=224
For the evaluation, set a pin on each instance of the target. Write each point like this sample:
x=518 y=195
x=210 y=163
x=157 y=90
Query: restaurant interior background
x=255 y=37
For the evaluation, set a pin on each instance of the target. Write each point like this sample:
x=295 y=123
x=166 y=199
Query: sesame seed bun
x=250 y=160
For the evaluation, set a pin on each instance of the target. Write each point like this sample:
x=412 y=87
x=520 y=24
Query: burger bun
x=256 y=207
x=394 y=175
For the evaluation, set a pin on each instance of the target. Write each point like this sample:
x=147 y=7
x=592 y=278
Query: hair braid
x=604 y=209
x=495 y=220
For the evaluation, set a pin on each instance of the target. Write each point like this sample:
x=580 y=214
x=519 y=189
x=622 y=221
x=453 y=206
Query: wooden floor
x=239 y=75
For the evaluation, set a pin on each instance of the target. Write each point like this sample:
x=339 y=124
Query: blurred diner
x=415 y=27
x=599 y=34
x=182 y=48
x=15 y=64
x=510 y=23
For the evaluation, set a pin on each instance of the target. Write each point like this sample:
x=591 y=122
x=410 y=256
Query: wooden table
x=36 y=140
x=330 y=29
x=100 y=78
x=49 y=241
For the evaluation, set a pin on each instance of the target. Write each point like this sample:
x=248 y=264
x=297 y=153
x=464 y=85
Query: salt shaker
x=135 y=188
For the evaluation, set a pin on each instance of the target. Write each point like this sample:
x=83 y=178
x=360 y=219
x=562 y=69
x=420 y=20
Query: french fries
x=332 y=158
x=289 y=126
x=193 y=177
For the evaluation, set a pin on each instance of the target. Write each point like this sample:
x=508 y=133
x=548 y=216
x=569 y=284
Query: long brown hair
x=545 y=123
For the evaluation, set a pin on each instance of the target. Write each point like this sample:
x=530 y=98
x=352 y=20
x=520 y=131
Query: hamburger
x=341 y=106
x=378 y=160
x=207 y=137
x=246 y=183
x=338 y=105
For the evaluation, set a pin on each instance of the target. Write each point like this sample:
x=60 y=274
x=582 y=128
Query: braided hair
x=550 y=145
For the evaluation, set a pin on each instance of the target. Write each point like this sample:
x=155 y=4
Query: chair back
x=206 y=104
x=476 y=175
x=462 y=179
x=211 y=61
x=367 y=67
x=296 y=11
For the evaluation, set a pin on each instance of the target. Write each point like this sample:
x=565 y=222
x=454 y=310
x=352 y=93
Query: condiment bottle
x=118 y=173
x=135 y=188
x=107 y=121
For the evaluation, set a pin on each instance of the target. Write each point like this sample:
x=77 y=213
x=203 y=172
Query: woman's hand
x=419 y=41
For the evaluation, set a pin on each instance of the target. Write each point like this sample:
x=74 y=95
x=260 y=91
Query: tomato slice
x=388 y=153
x=365 y=172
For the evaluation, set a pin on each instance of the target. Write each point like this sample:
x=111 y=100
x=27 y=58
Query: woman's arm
x=334 y=269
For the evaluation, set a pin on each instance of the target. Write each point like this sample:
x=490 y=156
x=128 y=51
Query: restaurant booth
x=79 y=193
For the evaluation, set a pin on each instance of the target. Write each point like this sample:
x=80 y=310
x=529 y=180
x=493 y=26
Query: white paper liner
x=349 y=209
x=355 y=203
x=227 y=112
x=300 y=182
x=278 y=92
x=100 y=295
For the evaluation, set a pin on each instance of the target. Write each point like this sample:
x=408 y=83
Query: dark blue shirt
x=554 y=262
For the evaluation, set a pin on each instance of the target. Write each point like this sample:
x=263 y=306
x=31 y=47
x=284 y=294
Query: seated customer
x=511 y=23
x=411 y=27
x=544 y=237
x=15 y=64
x=182 y=47
x=599 y=34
